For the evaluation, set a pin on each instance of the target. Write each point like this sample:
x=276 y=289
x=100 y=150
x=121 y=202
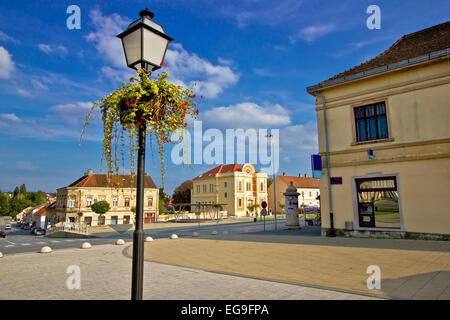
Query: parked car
x=27 y=227
x=8 y=227
x=2 y=234
x=39 y=232
x=19 y=224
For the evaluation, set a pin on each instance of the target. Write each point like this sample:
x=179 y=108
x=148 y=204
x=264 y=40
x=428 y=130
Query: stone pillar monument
x=291 y=195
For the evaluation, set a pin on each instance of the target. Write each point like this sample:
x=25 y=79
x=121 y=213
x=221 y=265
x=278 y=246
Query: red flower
x=197 y=112
x=142 y=118
x=185 y=103
x=193 y=97
x=138 y=123
x=201 y=97
x=163 y=64
x=137 y=100
x=183 y=115
x=127 y=103
x=185 y=125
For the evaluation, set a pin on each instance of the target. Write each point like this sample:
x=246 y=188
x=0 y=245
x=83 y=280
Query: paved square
x=106 y=274
x=409 y=268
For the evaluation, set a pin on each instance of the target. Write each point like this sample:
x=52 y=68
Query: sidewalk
x=106 y=274
x=112 y=230
x=410 y=269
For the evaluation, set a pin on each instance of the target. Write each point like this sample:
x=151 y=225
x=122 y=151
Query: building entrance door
x=88 y=221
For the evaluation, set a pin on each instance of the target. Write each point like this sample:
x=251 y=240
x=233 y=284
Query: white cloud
x=72 y=113
x=23 y=92
x=104 y=36
x=187 y=67
x=118 y=75
x=61 y=50
x=227 y=62
x=4 y=37
x=299 y=137
x=262 y=72
x=247 y=115
x=38 y=85
x=312 y=33
x=6 y=64
x=10 y=117
x=271 y=13
x=45 y=48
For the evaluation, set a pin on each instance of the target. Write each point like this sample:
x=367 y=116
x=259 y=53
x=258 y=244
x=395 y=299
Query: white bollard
x=1 y=255
x=173 y=236
x=148 y=239
x=214 y=233
x=120 y=242
x=86 y=245
x=46 y=249
x=195 y=234
x=225 y=232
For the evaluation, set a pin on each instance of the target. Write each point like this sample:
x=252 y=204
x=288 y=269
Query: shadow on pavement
x=311 y=235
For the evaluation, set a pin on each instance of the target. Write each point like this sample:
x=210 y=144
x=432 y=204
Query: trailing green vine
x=163 y=107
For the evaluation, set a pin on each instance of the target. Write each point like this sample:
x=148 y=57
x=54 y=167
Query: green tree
x=100 y=207
x=17 y=204
x=38 y=197
x=23 y=189
x=4 y=204
x=269 y=182
x=16 y=192
x=182 y=194
x=163 y=199
x=253 y=207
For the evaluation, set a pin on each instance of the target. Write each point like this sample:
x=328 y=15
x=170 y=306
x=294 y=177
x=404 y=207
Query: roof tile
x=220 y=169
x=97 y=180
x=301 y=182
x=410 y=46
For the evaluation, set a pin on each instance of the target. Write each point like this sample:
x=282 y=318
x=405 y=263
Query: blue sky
x=251 y=58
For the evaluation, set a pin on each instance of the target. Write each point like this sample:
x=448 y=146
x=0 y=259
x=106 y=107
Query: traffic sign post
x=198 y=213
x=264 y=212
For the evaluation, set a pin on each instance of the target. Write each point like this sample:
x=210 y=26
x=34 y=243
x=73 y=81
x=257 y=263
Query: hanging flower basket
x=161 y=105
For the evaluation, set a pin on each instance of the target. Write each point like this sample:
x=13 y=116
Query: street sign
x=264 y=211
x=264 y=204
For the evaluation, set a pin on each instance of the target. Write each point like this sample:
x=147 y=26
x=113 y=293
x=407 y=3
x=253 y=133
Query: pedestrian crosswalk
x=48 y=242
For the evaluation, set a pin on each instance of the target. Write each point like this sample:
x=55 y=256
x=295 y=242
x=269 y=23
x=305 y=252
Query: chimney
x=306 y=175
x=89 y=172
x=284 y=173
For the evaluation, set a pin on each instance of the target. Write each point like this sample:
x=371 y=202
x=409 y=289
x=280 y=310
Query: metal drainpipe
x=332 y=231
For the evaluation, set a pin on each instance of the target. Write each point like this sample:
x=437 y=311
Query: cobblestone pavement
x=106 y=274
x=410 y=269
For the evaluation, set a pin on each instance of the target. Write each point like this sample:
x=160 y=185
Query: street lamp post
x=145 y=44
x=273 y=178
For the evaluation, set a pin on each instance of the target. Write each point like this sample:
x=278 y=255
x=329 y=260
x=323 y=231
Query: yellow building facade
x=73 y=203
x=236 y=186
x=388 y=123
